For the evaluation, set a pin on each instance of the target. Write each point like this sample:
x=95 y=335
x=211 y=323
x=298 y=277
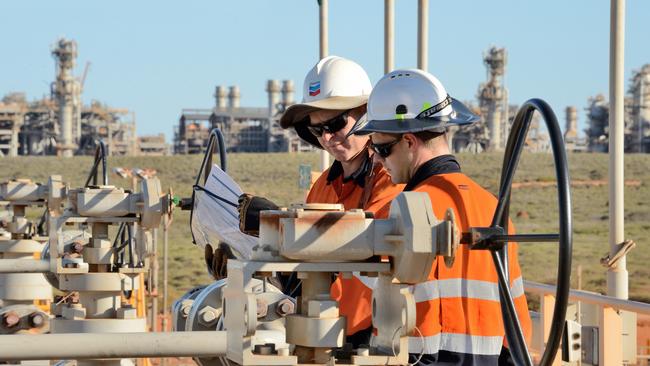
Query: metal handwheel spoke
x=515 y=335
x=527 y=238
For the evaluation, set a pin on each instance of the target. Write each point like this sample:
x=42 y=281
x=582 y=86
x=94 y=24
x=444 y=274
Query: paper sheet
x=216 y=221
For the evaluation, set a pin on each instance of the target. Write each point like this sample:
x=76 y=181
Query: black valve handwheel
x=495 y=238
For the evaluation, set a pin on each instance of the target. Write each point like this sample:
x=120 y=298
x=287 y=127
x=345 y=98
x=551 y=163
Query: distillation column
x=640 y=93
x=67 y=92
x=571 y=128
x=492 y=97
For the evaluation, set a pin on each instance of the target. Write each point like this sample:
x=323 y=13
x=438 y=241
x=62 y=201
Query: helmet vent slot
x=401 y=109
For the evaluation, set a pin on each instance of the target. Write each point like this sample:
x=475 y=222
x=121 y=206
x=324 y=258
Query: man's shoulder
x=453 y=182
x=321 y=181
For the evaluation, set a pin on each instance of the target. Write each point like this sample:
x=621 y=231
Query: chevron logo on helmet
x=314 y=88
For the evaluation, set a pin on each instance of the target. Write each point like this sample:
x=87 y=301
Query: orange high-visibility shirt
x=355 y=296
x=458 y=308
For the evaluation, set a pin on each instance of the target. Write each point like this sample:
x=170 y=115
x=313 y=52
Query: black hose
x=40 y=227
x=131 y=246
x=514 y=148
x=100 y=156
x=119 y=237
x=206 y=163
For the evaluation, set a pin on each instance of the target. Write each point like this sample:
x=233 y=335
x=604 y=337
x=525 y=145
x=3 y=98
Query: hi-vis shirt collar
x=442 y=164
x=359 y=176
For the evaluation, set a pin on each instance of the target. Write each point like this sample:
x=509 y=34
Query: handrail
x=590 y=298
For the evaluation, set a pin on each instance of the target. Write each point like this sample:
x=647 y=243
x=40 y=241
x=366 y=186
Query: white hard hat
x=335 y=83
x=412 y=101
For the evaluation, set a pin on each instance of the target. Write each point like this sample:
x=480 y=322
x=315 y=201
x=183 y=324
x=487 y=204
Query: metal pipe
x=423 y=34
x=154 y=283
x=323 y=28
x=617 y=276
x=165 y=270
x=389 y=35
x=166 y=223
x=111 y=345
x=323 y=51
x=24 y=266
x=590 y=298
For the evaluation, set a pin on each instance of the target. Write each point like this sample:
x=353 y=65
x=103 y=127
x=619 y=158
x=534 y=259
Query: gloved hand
x=217 y=260
x=249 y=212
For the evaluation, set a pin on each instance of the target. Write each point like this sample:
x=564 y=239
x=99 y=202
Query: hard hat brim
x=296 y=113
x=461 y=115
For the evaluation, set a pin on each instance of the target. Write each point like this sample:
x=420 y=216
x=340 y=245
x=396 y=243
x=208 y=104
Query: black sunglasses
x=333 y=125
x=384 y=150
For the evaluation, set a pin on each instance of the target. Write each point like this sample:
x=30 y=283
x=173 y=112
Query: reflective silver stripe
x=369 y=282
x=517 y=287
x=459 y=287
x=425 y=291
x=455 y=342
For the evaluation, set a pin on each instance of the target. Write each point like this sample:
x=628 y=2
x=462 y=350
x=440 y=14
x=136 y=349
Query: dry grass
x=276 y=177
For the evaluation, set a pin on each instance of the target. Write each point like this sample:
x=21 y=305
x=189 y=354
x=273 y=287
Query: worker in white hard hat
x=458 y=310
x=335 y=93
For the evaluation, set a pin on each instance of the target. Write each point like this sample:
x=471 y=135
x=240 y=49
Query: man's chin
x=394 y=178
x=340 y=154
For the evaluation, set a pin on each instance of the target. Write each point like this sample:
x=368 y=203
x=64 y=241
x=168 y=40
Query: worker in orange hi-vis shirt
x=335 y=93
x=458 y=311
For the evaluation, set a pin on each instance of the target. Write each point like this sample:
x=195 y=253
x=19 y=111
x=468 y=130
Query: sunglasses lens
x=384 y=150
x=334 y=125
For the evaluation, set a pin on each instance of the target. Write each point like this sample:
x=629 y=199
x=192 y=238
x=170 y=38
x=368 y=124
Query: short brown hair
x=427 y=135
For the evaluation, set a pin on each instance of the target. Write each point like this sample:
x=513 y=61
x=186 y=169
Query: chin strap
x=370 y=179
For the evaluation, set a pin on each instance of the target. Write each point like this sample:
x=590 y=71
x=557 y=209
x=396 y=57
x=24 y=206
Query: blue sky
x=156 y=58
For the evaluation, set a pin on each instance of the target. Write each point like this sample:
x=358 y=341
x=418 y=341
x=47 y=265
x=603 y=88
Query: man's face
x=397 y=164
x=343 y=149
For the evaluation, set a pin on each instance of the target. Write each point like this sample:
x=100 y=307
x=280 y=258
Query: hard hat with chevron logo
x=334 y=83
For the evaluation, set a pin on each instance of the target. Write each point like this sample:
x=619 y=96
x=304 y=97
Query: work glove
x=249 y=212
x=217 y=260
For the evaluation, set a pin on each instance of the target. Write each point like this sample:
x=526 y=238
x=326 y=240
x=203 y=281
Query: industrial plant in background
x=245 y=129
x=256 y=129
x=497 y=115
x=62 y=125
x=637 y=116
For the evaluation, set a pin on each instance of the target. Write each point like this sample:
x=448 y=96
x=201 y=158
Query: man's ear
x=411 y=140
